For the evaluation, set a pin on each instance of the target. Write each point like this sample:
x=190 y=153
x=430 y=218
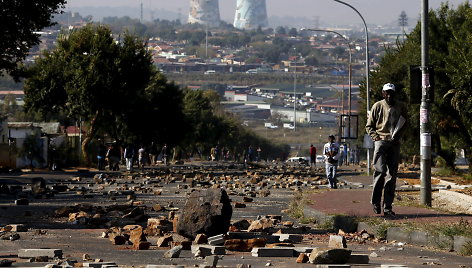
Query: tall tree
x=106 y=83
x=450 y=54
x=19 y=20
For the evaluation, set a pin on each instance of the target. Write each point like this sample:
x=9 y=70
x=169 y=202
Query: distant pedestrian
x=129 y=155
x=113 y=156
x=213 y=154
x=331 y=155
x=345 y=156
x=165 y=153
x=385 y=126
x=101 y=155
x=250 y=154
x=312 y=156
x=258 y=156
x=142 y=158
x=152 y=154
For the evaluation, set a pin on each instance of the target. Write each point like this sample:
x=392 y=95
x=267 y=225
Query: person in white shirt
x=331 y=155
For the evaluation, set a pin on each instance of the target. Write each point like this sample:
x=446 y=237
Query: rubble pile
x=190 y=210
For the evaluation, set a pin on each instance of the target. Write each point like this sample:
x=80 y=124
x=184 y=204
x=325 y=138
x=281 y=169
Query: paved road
x=74 y=240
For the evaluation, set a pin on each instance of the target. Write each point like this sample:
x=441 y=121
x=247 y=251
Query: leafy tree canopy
x=111 y=85
x=19 y=20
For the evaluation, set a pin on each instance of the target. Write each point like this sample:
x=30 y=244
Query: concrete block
x=332 y=266
x=250 y=235
x=358 y=259
x=213 y=250
x=22 y=202
x=371 y=229
x=420 y=238
x=164 y=266
x=293 y=238
x=98 y=264
x=18 y=228
x=273 y=252
x=216 y=240
x=212 y=261
x=460 y=242
x=200 y=251
x=337 y=241
x=398 y=234
x=173 y=252
x=299 y=250
x=445 y=242
x=33 y=253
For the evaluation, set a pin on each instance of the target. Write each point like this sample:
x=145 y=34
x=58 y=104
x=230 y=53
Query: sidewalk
x=356 y=202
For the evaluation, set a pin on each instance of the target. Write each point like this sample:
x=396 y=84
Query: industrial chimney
x=250 y=14
x=206 y=12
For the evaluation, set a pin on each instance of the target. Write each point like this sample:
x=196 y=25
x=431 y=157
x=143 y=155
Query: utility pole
x=141 y=17
x=294 y=93
x=425 y=128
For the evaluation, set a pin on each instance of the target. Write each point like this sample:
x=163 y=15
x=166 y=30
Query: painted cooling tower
x=250 y=14
x=206 y=12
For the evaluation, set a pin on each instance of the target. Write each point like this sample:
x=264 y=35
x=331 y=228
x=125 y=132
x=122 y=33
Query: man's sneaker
x=376 y=208
x=389 y=213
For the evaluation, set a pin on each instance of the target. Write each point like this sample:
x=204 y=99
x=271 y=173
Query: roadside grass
x=462 y=228
x=296 y=206
x=445 y=172
x=468 y=177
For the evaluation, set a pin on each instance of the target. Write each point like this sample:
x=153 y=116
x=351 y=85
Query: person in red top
x=312 y=156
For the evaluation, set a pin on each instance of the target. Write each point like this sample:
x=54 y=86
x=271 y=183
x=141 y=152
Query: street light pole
x=366 y=70
x=350 y=61
x=425 y=134
x=349 y=75
x=294 y=94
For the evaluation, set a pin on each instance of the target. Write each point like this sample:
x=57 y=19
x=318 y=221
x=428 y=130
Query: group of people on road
x=115 y=154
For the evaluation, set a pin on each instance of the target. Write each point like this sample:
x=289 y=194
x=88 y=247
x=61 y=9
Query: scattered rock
x=206 y=211
x=330 y=256
x=173 y=252
x=302 y=258
x=337 y=241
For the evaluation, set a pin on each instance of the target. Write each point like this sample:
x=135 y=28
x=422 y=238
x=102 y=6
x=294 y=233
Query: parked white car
x=301 y=160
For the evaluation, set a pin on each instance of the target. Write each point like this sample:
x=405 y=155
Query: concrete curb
x=400 y=234
x=422 y=238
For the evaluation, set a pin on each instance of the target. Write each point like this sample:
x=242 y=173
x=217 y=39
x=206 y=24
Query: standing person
x=102 y=151
x=385 y=126
x=250 y=154
x=128 y=155
x=164 y=153
x=345 y=154
x=141 y=158
x=113 y=156
x=258 y=157
x=213 y=154
x=152 y=154
x=312 y=156
x=331 y=155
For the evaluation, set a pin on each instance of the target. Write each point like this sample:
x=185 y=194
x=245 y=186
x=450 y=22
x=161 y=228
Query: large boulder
x=330 y=256
x=205 y=212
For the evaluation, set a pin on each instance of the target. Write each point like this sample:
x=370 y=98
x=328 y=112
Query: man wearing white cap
x=385 y=125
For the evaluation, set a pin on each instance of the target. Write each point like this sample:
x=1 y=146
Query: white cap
x=388 y=86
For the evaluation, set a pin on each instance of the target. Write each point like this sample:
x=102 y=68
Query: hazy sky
x=329 y=11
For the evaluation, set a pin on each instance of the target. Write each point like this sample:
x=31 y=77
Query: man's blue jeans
x=386 y=157
x=331 y=174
